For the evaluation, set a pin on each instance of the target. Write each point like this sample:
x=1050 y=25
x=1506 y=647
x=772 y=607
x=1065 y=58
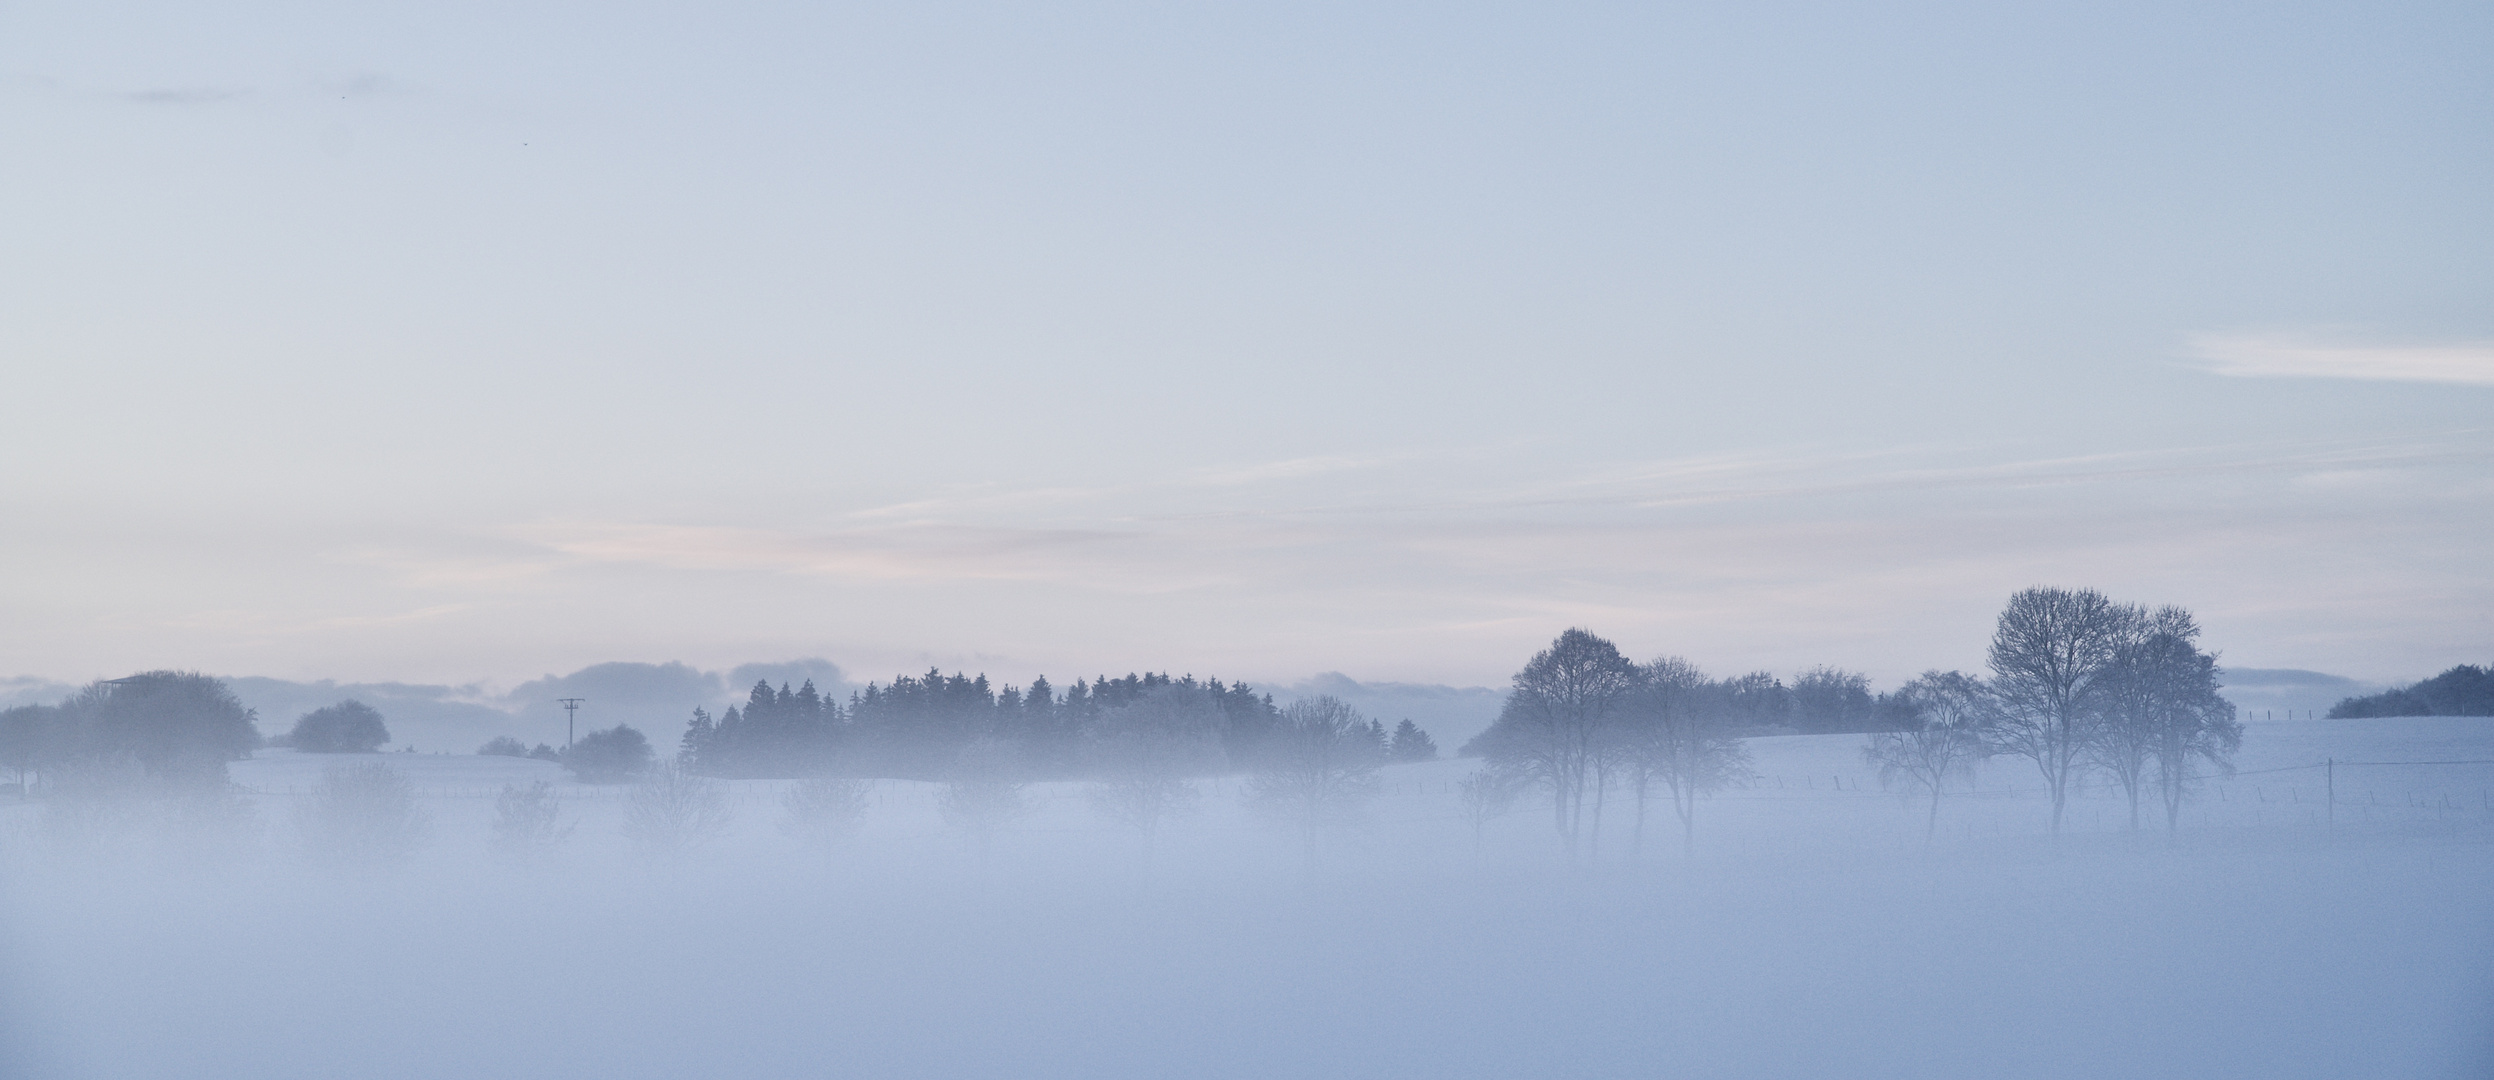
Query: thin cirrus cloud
x=2288 y=356
x=184 y=95
x=917 y=552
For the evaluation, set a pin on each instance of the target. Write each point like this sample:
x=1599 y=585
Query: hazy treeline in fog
x=918 y=727
x=1633 y=872
x=2465 y=690
x=2079 y=685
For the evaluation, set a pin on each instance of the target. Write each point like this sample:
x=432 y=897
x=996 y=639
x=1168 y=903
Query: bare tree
x=1944 y=713
x=1552 y=727
x=1485 y=796
x=672 y=810
x=2050 y=651
x=824 y=810
x=1673 y=731
x=2189 y=720
x=528 y=821
x=1320 y=768
x=1146 y=755
x=363 y=811
x=983 y=790
x=2134 y=695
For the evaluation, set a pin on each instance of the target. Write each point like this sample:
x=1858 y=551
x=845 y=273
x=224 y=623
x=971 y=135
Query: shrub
x=526 y=820
x=672 y=810
x=504 y=746
x=823 y=811
x=365 y=810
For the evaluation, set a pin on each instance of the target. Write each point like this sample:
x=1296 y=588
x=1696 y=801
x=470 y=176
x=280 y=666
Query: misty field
x=1812 y=932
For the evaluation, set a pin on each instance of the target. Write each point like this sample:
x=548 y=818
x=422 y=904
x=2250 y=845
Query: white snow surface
x=1810 y=933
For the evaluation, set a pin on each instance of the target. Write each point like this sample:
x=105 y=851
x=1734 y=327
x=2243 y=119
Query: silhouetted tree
x=1147 y=752
x=1412 y=744
x=1320 y=769
x=2133 y=693
x=26 y=736
x=1485 y=795
x=1552 y=727
x=1832 y=701
x=2050 y=651
x=503 y=746
x=1942 y=715
x=1675 y=729
x=348 y=727
x=2465 y=690
x=611 y=756
x=777 y=734
x=179 y=727
x=2188 y=721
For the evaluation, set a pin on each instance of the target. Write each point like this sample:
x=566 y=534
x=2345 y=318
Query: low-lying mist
x=418 y=915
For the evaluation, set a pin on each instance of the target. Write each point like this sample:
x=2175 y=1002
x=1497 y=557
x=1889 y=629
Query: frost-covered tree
x=1553 y=727
x=1942 y=714
x=2050 y=652
x=348 y=727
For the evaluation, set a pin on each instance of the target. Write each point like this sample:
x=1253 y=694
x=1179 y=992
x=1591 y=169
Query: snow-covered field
x=1811 y=934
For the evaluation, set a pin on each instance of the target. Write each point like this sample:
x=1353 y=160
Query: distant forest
x=917 y=727
x=2466 y=690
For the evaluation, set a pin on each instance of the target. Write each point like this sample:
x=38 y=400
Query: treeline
x=2466 y=690
x=922 y=727
x=157 y=730
x=2080 y=685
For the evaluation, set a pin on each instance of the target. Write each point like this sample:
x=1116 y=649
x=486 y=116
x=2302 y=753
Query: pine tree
x=1412 y=744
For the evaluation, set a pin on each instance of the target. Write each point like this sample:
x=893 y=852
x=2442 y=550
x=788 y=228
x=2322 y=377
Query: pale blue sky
x=450 y=342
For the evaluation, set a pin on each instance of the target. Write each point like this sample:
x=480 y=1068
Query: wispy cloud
x=2288 y=356
x=917 y=552
x=185 y=95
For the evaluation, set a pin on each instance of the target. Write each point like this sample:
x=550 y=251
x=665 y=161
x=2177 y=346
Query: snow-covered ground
x=1811 y=933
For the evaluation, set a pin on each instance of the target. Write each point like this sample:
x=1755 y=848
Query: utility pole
x=571 y=711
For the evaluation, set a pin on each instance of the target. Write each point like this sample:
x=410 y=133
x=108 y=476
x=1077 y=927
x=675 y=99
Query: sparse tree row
x=2079 y=686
